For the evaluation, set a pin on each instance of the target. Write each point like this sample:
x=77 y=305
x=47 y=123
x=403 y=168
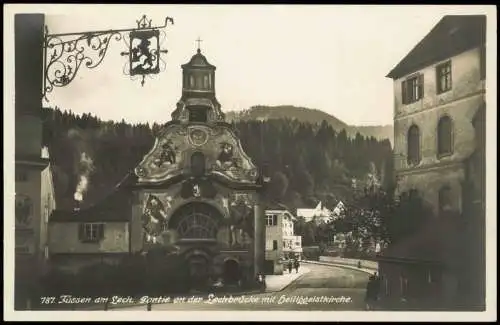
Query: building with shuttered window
x=439 y=89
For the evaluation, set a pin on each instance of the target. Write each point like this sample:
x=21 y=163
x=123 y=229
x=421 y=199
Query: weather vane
x=65 y=53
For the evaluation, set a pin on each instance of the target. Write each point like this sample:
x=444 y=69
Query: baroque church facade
x=196 y=191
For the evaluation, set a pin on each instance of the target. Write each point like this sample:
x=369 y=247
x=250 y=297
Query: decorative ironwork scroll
x=66 y=53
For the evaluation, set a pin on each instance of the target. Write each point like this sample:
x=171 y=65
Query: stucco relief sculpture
x=167 y=154
x=240 y=220
x=231 y=161
x=225 y=156
x=154 y=217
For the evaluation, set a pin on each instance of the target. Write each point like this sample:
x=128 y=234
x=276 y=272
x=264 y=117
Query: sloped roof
x=435 y=242
x=115 y=207
x=452 y=35
x=198 y=61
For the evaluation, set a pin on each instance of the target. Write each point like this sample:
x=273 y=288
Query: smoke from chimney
x=86 y=167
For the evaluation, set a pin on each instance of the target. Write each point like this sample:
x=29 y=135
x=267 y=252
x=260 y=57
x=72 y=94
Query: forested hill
x=314 y=116
x=309 y=162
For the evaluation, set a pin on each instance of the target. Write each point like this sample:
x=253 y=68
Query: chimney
x=76 y=205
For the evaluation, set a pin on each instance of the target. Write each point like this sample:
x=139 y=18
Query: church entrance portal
x=197 y=224
x=196 y=220
x=231 y=271
x=199 y=271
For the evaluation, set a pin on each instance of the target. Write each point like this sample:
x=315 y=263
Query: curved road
x=322 y=288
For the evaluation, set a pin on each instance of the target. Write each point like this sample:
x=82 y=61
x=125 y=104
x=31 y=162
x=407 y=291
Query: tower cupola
x=198 y=102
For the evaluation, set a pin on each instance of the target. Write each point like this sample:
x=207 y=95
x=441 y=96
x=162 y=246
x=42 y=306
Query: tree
x=278 y=187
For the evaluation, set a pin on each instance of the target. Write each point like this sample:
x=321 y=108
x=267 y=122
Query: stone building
x=34 y=190
x=439 y=88
x=196 y=189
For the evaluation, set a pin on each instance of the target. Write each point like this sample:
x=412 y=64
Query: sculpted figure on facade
x=154 y=217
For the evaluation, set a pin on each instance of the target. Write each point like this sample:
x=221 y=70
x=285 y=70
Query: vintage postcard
x=215 y=162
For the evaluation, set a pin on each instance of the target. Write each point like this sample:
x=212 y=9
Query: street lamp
x=65 y=53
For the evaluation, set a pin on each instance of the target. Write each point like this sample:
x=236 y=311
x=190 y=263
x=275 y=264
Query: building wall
x=275 y=233
x=460 y=104
x=64 y=239
x=28 y=186
x=47 y=205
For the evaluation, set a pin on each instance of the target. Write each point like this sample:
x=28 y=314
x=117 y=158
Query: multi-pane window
x=412 y=89
x=444 y=133
x=91 y=232
x=443 y=76
x=413 y=145
x=271 y=220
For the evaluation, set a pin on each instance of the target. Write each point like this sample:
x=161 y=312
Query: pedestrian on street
x=296 y=265
x=290 y=266
x=370 y=292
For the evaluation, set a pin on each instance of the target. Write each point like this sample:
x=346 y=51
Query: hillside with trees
x=312 y=116
x=308 y=162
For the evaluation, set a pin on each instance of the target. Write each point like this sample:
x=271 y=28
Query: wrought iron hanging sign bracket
x=65 y=53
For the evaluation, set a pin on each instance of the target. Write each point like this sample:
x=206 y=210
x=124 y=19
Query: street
x=322 y=288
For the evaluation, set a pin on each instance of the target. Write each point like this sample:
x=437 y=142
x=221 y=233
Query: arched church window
x=413 y=145
x=198 y=164
x=196 y=221
x=444 y=135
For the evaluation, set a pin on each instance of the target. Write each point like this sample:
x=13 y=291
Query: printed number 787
x=48 y=300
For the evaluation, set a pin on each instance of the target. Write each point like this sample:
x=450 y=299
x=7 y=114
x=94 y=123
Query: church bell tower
x=198 y=102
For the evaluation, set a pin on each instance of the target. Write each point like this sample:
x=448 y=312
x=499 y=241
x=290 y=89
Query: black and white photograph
x=199 y=162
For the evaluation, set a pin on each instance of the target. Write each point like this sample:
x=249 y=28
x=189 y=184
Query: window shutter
x=403 y=92
x=420 y=86
x=81 y=231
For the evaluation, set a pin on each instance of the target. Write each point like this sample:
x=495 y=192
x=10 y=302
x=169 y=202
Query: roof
x=276 y=206
x=452 y=35
x=198 y=61
x=116 y=207
x=435 y=242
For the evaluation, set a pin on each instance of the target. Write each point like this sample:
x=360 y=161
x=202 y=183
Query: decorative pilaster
x=259 y=238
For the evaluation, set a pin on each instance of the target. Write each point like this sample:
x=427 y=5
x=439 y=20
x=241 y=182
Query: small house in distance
x=319 y=213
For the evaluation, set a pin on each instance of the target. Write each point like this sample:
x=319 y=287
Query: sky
x=326 y=57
